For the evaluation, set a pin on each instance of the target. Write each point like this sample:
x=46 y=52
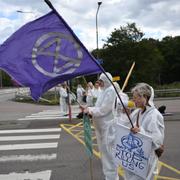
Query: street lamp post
x=19 y=11
x=26 y=12
x=99 y=4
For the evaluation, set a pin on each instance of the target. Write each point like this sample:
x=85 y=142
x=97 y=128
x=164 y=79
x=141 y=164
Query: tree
x=157 y=62
x=129 y=33
x=170 y=49
x=6 y=79
x=149 y=62
x=118 y=50
x=126 y=45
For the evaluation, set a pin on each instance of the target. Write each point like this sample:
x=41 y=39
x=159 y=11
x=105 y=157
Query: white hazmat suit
x=151 y=123
x=80 y=90
x=89 y=98
x=63 y=101
x=119 y=115
x=102 y=117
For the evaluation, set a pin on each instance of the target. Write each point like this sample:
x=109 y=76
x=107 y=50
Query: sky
x=156 y=18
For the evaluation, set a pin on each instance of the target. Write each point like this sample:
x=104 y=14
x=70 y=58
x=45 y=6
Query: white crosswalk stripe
x=29 y=139
x=27 y=157
x=46 y=115
x=28 y=146
x=42 y=175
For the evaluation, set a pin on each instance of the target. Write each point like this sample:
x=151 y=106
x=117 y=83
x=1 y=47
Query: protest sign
x=132 y=151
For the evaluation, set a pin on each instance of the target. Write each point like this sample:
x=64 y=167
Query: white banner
x=132 y=151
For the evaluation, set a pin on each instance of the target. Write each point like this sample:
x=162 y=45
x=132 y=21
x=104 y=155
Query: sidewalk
x=172 y=109
x=172 y=112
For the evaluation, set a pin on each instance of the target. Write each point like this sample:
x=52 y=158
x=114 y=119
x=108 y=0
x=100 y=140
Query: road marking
x=75 y=131
x=70 y=131
x=48 y=114
x=42 y=175
x=30 y=130
x=45 y=115
x=28 y=146
x=170 y=168
x=75 y=110
x=42 y=149
x=34 y=137
x=45 y=118
x=166 y=178
x=28 y=157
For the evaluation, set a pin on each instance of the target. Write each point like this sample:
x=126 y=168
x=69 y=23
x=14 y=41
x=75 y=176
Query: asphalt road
x=60 y=155
x=56 y=155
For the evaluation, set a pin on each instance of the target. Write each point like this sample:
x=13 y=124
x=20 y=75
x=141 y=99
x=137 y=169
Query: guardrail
x=167 y=93
x=163 y=93
x=12 y=90
x=157 y=92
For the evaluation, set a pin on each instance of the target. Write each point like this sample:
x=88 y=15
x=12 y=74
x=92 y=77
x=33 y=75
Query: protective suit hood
x=106 y=81
x=151 y=103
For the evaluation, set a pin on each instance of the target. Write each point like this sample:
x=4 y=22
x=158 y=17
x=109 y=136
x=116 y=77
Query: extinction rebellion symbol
x=55 y=53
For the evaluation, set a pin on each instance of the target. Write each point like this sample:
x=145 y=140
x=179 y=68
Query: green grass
x=49 y=98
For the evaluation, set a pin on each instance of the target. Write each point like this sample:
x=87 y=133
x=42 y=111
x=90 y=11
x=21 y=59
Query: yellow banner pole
x=128 y=76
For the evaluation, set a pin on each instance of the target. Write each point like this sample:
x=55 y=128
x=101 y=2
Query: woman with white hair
x=147 y=120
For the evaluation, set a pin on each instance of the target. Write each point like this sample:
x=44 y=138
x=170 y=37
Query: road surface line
x=43 y=175
x=29 y=130
x=170 y=167
x=28 y=157
x=43 y=118
x=166 y=178
x=34 y=137
x=28 y=146
x=55 y=112
x=69 y=129
x=47 y=115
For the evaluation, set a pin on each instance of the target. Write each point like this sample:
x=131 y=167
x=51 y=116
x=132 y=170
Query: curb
x=175 y=116
x=166 y=98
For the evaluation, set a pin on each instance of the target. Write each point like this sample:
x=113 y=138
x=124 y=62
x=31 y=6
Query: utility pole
x=97 y=43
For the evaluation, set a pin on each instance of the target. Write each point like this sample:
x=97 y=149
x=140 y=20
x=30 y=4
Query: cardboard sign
x=132 y=151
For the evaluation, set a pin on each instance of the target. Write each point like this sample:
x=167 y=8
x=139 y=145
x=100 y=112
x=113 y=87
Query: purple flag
x=45 y=52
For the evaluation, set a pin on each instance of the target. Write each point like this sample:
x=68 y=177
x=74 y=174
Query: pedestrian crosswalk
x=28 y=146
x=47 y=114
x=43 y=175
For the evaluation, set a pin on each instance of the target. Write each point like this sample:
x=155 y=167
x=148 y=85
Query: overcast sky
x=156 y=18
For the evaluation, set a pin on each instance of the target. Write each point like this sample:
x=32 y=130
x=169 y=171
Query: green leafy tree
x=118 y=50
x=6 y=79
x=126 y=45
x=149 y=62
x=129 y=33
x=170 y=49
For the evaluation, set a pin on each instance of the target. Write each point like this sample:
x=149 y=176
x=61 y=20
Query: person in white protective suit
x=102 y=116
x=118 y=114
x=80 y=94
x=89 y=93
x=147 y=120
x=118 y=110
x=63 y=99
x=80 y=91
x=96 y=92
